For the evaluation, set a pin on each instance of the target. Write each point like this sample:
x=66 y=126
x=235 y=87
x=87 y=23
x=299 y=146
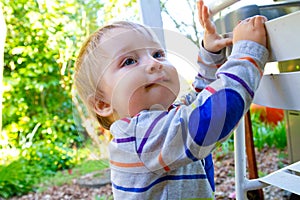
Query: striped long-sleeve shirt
x=167 y=154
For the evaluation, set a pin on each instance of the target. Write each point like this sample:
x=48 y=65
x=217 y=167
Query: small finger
x=205 y=17
x=199 y=7
x=260 y=20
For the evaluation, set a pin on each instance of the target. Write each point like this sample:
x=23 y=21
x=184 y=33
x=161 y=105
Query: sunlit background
x=44 y=128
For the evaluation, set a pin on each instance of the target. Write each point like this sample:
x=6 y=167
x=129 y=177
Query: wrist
x=218 y=52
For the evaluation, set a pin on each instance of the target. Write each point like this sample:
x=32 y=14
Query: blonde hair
x=88 y=63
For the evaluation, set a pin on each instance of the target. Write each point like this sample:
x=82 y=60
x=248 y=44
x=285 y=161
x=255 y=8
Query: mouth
x=154 y=83
x=150 y=85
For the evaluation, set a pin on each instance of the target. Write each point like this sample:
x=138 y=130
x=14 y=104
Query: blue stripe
x=140 y=149
x=227 y=107
x=165 y=178
x=241 y=81
x=124 y=140
x=190 y=155
x=209 y=169
x=184 y=137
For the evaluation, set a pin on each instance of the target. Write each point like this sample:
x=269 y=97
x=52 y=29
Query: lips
x=149 y=85
x=157 y=81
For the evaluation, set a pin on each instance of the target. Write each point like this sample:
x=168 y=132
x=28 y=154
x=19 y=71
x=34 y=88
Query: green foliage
x=43 y=38
x=39 y=160
x=18 y=178
x=104 y=197
x=50 y=157
x=119 y=10
x=39 y=57
x=268 y=134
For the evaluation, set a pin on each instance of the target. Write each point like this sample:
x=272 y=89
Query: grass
x=67 y=176
x=104 y=198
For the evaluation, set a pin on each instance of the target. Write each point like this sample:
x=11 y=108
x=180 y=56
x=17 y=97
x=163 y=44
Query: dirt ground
x=267 y=161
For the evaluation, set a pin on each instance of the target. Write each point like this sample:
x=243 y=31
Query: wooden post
x=2 y=42
x=251 y=158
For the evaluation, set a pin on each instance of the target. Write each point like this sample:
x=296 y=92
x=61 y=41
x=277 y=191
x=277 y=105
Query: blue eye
x=159 y=54
x=129 y=61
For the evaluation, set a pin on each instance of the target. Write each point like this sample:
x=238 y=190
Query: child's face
x=137 y=75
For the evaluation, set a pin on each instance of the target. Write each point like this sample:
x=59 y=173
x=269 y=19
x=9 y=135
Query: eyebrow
x=126 y=49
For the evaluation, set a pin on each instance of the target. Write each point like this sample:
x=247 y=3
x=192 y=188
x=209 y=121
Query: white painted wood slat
x=285 y=178
x=295 y=167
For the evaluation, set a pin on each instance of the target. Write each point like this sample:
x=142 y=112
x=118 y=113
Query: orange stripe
x=119 y=164
x=210 y=89
x=166 y=168
x=253 y=62
x=199 y=59
x=219 y=65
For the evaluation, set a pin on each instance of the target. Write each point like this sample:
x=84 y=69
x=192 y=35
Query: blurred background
x=46 y=135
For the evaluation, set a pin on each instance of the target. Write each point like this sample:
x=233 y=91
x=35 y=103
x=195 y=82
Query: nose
x=154 y=66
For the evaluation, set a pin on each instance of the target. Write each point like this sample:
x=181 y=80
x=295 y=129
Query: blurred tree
x=114 y=10
x=43 y=38
x=182 y=16
x=2 y=41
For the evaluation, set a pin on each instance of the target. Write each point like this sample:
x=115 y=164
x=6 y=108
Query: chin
x=157 y=99
x=163 y=105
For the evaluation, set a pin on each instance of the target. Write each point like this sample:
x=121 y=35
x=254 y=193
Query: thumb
x=228 y=41
x=225 y=42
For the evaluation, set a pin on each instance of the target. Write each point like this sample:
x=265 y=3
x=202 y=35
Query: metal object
x=280 y=27
x=225 y=24
x=292 y=118
x=289 y=66
x=216 y=6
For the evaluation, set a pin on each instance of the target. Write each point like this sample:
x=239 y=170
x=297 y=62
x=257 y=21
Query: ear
x=103 y=109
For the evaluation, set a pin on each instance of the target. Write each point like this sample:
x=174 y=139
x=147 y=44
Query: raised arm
x=212 y=41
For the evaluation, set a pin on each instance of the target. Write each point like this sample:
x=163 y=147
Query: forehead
x=124 y=39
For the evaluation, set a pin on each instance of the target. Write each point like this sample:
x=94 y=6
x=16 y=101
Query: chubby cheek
x=126 y=97
x=137 y=102
x=175 y=83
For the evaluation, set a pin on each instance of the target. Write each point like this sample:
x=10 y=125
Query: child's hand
x=251 y=29
x=212 y=41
